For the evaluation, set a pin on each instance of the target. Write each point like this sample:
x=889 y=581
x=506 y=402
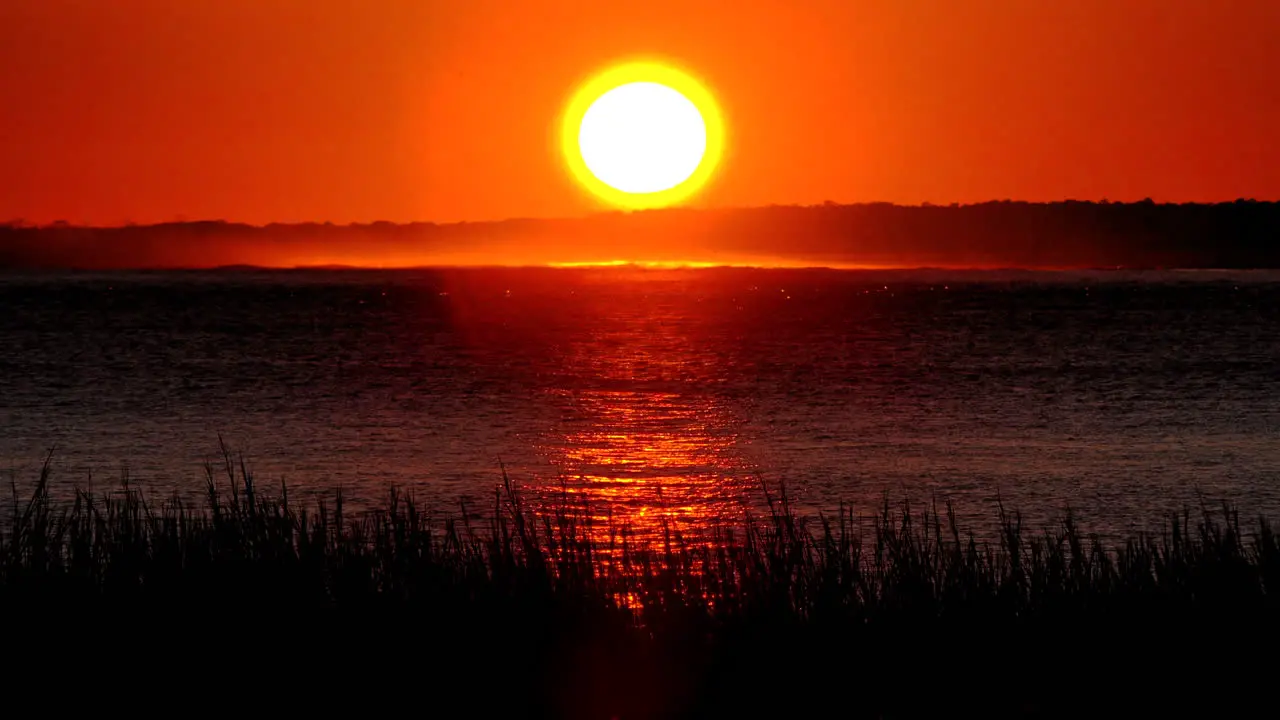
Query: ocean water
x=656 y=394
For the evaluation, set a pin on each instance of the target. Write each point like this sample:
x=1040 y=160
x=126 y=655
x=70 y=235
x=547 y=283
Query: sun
x=642 y=138
x=642 y=135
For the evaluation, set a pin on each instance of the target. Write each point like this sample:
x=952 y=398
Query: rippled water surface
x=660 y=393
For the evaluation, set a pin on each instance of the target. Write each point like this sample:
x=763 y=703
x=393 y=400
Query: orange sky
x=445 y=110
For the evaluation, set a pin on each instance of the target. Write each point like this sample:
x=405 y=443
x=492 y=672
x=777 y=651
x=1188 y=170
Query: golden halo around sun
x=642 y=135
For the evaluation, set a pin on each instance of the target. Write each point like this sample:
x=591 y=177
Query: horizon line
x=20 y=223
x=641 y=265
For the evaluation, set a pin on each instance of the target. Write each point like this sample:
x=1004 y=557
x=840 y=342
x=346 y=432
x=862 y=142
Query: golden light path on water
x=649 y=459
x=645 y=446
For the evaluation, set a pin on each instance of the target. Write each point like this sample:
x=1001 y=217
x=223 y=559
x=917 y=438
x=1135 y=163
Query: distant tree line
x=1004 y=233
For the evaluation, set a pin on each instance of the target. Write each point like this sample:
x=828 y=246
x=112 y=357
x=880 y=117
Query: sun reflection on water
x=644 y=443
x=648 y=457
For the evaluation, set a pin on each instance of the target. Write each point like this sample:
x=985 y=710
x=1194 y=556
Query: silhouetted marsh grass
x=607 y=627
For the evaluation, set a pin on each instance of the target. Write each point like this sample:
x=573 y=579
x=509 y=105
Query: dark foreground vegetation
x=260 y=605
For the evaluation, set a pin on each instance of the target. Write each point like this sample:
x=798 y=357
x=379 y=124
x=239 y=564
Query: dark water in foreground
x=660 y=393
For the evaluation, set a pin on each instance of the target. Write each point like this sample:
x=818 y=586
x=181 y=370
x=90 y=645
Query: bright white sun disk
x=642 y=137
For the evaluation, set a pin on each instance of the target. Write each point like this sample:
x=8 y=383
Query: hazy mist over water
x=659 y=392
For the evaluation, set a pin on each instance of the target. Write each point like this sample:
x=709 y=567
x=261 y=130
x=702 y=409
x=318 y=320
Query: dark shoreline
x=998 y=234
